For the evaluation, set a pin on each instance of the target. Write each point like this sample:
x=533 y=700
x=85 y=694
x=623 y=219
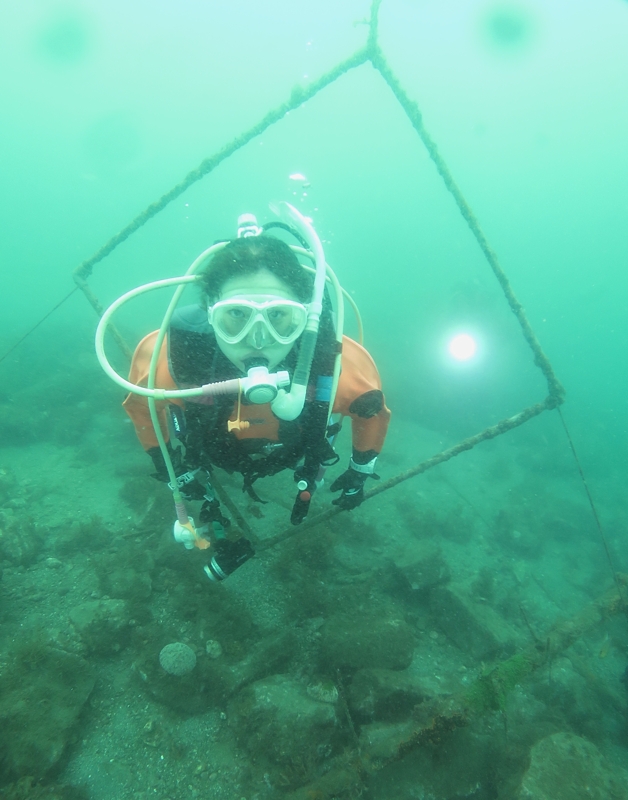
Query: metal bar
x=466 y=444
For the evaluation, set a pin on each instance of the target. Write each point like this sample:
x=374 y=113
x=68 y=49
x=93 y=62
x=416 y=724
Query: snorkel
x=288 y=405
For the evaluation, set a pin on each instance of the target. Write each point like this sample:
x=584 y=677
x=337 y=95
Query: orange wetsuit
x=358 y=396
x=359 y=375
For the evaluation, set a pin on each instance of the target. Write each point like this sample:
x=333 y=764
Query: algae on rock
x=566 y=767
x=42 y=693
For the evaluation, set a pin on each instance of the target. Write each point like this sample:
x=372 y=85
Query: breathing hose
x=287 y=405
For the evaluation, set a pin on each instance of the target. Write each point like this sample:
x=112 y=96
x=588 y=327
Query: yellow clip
x=238 y=424
x=199 y=541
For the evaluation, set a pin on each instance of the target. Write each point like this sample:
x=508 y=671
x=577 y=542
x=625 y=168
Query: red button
x=305 y=496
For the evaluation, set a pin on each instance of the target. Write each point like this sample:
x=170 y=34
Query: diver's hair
x=248 y=256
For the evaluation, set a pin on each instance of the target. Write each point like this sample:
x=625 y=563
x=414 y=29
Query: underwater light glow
x=462 y=347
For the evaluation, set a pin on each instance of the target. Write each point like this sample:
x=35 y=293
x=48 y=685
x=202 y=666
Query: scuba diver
x=254 y=379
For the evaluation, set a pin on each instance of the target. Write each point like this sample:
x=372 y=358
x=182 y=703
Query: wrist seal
x=365 y=469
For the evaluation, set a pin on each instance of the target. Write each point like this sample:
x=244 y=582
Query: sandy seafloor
x=507 y=524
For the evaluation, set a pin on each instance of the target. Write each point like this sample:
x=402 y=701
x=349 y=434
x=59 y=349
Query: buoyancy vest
x=190 y=357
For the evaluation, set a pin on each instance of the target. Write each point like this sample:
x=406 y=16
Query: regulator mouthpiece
x=260 y=386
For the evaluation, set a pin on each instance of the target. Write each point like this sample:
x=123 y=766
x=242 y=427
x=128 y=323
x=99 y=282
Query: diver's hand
x=352 y=485
x=352 y=480
x=211 y=513
x=192 y=489
x=184 y=535
x=193 y=484
x=161 y=473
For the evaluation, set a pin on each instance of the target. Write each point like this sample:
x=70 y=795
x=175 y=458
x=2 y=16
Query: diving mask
x=235 y=319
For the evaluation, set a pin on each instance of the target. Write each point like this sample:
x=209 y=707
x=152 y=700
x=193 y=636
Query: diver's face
x=260 y=288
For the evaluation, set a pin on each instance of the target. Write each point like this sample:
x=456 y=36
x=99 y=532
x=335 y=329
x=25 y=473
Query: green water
x=104 y=109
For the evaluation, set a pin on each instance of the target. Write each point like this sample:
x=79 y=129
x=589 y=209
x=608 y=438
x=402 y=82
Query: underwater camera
x=228 y=556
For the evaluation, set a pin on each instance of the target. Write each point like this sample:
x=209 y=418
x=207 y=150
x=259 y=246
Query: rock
x=324 y=690
x=8 y=484
x=124 y=569
x=69 y=538
x=215 y=679
x=29 y=789
x=177 y=659
x=383 y=695
x=423 y=566
x=42 y=693
x=475 y=628
x=460 y=764
x=206 y=686
x=381 y=739
x=359 y=641
x=129 y=582
x=103 y=625
x=276 y=718
x=565 y=767
x=21 y=541
x=213 y=648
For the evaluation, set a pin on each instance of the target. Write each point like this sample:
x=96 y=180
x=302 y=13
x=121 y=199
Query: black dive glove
x=352 y=480
x=192 y=484
x=161 y=473
x=213 y=516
